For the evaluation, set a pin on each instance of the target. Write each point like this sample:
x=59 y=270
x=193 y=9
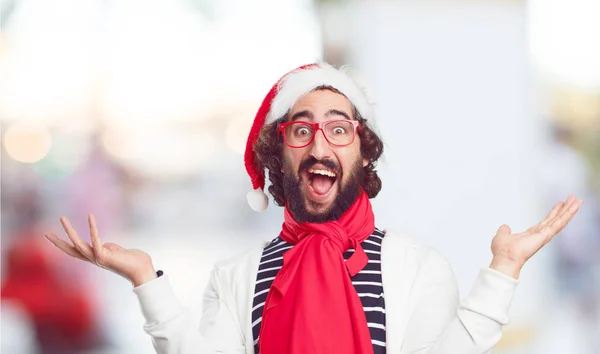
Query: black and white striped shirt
x=367 y=284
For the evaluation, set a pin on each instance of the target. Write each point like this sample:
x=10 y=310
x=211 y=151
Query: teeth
x=322 y=172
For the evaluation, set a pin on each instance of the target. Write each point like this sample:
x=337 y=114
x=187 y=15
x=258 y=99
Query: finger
x=112 y=246
x=83 y=247
x=96 y=243
x=504 y=229
x=560 y=222
x=570 y=200
x=64 y=246
x=552 y=214
x=568 y=203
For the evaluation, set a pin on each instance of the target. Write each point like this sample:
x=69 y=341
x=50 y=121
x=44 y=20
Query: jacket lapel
x=397 y=272
x=247 y=299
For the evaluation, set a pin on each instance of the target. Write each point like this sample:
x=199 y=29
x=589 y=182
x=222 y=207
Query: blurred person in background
x=18 y=333
x=57 y=308
x=576 y=263
x=331 y=282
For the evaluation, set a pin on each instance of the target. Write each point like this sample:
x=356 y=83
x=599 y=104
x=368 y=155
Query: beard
x=347 y=191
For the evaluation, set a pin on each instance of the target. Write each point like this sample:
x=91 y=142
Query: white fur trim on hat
x=300 y=82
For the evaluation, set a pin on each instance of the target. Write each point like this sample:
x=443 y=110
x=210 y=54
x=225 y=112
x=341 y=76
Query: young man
x=331 y=282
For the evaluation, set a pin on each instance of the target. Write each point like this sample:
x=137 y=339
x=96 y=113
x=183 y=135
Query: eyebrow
x=310 y=116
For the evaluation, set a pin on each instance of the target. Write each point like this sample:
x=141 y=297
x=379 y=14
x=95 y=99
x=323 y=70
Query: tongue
x=321 y=184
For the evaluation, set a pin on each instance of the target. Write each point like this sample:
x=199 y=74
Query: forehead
x=320 y=101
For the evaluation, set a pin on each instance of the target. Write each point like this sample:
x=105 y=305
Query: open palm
x=132 y=264
x=519 y=247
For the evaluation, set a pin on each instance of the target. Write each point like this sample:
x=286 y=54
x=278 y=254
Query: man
x=331 y=282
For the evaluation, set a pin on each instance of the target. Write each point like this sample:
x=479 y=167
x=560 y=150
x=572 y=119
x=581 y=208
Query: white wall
x=450 y=80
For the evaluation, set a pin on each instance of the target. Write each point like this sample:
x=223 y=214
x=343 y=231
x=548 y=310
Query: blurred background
x=138 y=111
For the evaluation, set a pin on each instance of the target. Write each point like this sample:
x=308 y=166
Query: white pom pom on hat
x=281 y=98
x=257 y=199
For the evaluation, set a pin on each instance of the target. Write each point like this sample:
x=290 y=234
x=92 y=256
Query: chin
x=317 y=209
x=316 y=212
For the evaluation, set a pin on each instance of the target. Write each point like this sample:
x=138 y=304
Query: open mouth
x=321 y=180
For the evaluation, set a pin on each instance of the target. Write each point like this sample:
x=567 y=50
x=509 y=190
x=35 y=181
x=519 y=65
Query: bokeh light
x=27 y=142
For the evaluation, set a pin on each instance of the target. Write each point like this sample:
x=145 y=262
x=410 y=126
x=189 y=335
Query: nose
x=320 y=148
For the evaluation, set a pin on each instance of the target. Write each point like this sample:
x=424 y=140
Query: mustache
x=311 y=161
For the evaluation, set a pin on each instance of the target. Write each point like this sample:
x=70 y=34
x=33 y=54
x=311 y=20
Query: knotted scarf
x=312 y=306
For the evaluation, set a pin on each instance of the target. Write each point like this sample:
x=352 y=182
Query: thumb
x=111 y=257
x=112 y=246
x=504 y=229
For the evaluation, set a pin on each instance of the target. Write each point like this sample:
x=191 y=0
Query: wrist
x=506 y=267
x=144 y=277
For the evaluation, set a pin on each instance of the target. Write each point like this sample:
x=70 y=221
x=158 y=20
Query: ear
x=365 y=162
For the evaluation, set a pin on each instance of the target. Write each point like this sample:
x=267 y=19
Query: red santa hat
x=281 y=98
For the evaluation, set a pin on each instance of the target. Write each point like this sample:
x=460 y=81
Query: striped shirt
x=367 y=284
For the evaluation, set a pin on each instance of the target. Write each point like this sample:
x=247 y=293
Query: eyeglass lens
x=337 y=132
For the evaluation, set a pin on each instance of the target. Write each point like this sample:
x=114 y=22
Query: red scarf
x=312 y=306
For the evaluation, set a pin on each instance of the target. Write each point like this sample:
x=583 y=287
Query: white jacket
x=423 y=314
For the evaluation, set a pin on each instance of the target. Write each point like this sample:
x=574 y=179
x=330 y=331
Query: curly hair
x=269 y=154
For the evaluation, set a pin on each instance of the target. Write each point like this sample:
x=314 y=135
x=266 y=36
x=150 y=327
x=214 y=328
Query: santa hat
x=281 y=98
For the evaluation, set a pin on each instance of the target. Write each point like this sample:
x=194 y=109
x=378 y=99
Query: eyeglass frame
x=316 y=127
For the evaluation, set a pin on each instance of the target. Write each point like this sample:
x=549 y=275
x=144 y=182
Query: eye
x=302 y=131
x=338 y=131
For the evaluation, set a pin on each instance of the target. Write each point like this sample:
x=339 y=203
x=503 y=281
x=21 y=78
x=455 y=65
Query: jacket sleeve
x=439 y=324
x=174 y=329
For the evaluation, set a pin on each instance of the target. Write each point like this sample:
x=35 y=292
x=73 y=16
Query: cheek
x=291 y=158
x=348 y=159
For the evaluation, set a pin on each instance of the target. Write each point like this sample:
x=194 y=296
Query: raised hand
x=511 y=251
x=132 y=264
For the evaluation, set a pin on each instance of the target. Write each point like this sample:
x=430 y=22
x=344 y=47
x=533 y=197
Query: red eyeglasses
x=300 y=134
